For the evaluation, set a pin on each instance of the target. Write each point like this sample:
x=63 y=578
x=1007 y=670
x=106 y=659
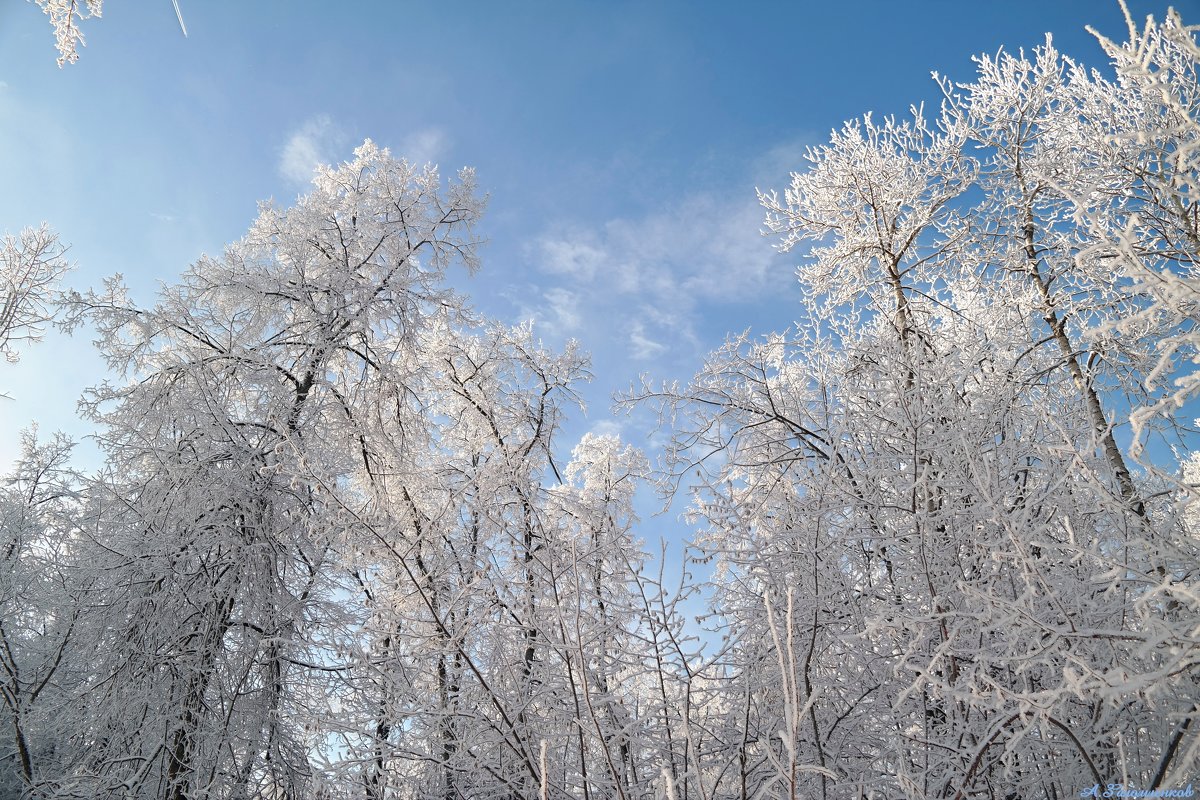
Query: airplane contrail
x=179 y=16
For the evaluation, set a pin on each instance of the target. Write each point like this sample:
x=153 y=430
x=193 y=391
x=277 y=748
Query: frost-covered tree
x=937 y=571
x=42 y=596
x=65 y=16
x=448 y=565
x=331 y=552
x=1147 y=231
x=242 y=415
x=335 y=550
x=31 y=266
x=599 y=629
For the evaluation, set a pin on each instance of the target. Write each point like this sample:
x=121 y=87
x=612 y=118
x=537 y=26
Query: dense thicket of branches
x=333 y=553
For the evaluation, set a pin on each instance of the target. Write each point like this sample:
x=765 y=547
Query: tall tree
x=244 y=405
x=42 y=595
x=968 y=589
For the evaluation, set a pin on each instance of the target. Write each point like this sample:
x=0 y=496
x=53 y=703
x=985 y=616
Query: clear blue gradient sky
x=620 y=144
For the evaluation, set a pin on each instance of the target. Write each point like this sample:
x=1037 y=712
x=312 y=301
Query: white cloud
x=425 y=146
x=773 y=169
x=555 y=312
x=705 y=251
x=314 y=142
x=607 y=427
x=677 y=321
x=578 y=256
x=564 y=305
x=707 y=247
x=642 y=347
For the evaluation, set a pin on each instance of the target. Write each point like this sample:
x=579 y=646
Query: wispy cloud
x=314 y=142
x=576 y=254
x=564 y=306
x=773 y=169
x=556 y=312
x=641 y=346
x=425 y=146
x=704 y=251
x=607 y=427
x=707 y=246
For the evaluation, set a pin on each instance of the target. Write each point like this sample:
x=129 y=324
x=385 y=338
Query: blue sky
x=620 y=144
